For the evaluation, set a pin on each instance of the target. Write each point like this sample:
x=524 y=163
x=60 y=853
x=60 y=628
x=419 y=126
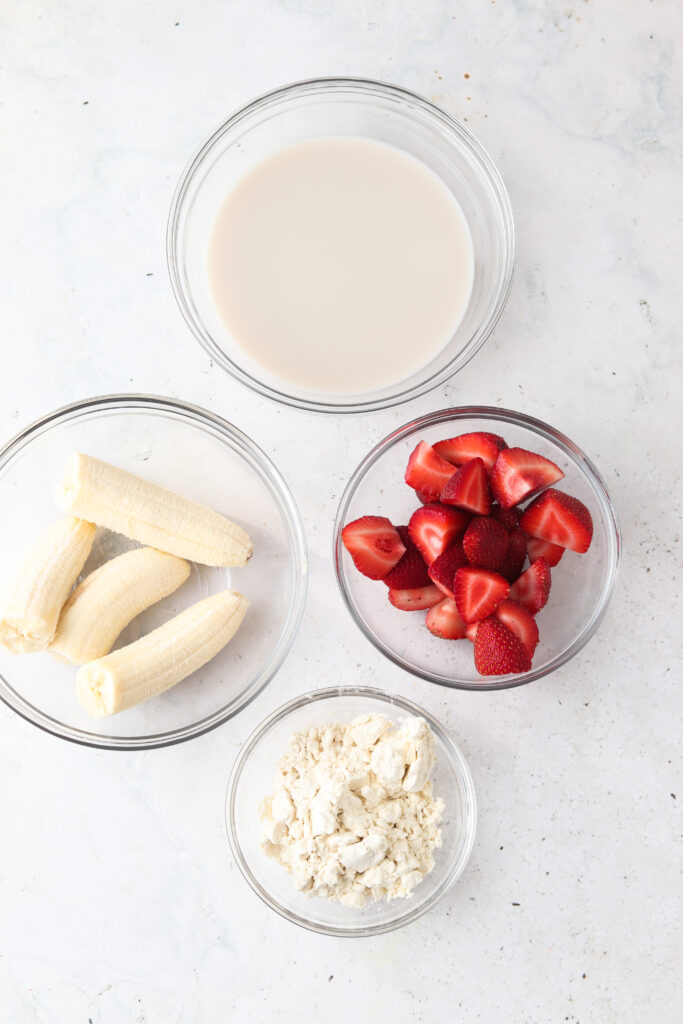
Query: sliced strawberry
x=433 y=527
x=478 y=592
x=533 y=587
x=515 y=556
x=509 y=517
x=410 y=571
x=444 y=621
x=427 y=471
x=485 y=542
x=538 y=548
x=497 y=651
x=471 y=631
x=559 y=518
x=416 y=598
x=520 y=620
x=468 y=488
x=478 y=445
x=518 y=474
x=374 y=545
x=443 y=569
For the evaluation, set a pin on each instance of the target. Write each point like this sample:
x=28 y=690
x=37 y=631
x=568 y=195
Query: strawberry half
x=410 y=570
x=497 y=651
x=520 y=620
x=515 y=555
x=533 y=587
x=478 y=445
x=443 y=620
x=478 y=592
x=427 y=471
x=374 y=545
x=561 y=519
x=518 y=474
x=443 y=569
x=468 y=488
x=434 y=527
x=538 y=548
x=415 y=598
x=485 y=543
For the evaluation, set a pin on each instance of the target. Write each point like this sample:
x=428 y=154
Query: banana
x=150 y=514
x=156 y=662
x=110 y=597
x=31 y=607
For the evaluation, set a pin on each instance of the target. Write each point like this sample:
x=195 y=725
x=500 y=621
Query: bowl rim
x=369 y=87
x=457 y=760
x=136 y=401
x=536 y=426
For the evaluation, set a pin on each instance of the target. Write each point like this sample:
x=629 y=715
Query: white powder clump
x=353 y=817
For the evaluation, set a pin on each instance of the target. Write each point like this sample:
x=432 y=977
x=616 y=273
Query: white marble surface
x=119 y=900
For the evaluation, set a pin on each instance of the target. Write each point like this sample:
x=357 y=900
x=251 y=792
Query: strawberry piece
x=509 y=517
x=410 y=571
x=427 y=471
x=485 y=543
x=520 y=620
x=427 y=497
x=471 y=631
x=416 y=598
x=533 y=587
x=374 y=545
x=538 y=548
x=468 y=488
x=497 y=651
x=518 y=474
x=443 y=569
x=443 y=620
x=478 y=592
x=478 y=445
x=561 y=519
x=515 y=556
x=434 y=527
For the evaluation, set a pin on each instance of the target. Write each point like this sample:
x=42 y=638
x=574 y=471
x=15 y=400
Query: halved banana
x=162 y=658
x=150 y=514
x=110 y=597
x=32 y=605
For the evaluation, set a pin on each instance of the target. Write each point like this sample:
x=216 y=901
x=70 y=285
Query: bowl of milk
x=341 y=245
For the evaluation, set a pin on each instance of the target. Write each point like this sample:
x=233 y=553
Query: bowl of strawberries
x=477 y=548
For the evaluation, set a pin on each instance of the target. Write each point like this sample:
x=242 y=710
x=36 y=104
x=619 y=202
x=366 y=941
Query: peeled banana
x=161 y=659
x=31 y=607
x=150 y=514
x=110 y=597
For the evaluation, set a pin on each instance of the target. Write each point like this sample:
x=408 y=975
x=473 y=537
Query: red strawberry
x=427 y=497
x=544 y=549
x=497 y=651
x=374 y=545
x=415 y=598
x=518 y=474
x=477 y=592
x=444 y=621
x=485 y=543
x=433 y=527
x=468 y=488
x=533 y=587
x=520 y=620
x=464 y=447
x=427 y=471
x=410 y=571
x=559 y=518
x=471 y=631
x=509 y=517
x=515 y=556
x=443 y=569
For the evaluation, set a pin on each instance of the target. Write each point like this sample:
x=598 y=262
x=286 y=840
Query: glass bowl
x=200 y=455
x=252 y=779
x=582 y=585
x=341 y=106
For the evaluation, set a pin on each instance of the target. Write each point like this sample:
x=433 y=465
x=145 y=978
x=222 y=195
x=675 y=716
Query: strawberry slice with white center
x=468 y=488
x=498 y=651
x=561 y=519
x=443 y=620
x=434 y=527
x=416 y=598
x=532 y=588
x=443 y=569
x=544 y=549
x=427 y=472
x=478 y=592
x=477 y=445
x=374 y=545
x=485 y=543
x=518 y=474
x=410 y=571
x=520 y=620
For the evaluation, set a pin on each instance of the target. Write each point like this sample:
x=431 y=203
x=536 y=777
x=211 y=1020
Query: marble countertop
x=119 y=900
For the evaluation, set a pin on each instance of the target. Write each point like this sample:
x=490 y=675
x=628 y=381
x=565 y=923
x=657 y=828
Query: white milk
x=341 y=264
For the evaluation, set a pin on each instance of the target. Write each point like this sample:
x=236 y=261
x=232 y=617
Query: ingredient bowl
x=202 y=457
x=252 y=779
x=582 y=585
